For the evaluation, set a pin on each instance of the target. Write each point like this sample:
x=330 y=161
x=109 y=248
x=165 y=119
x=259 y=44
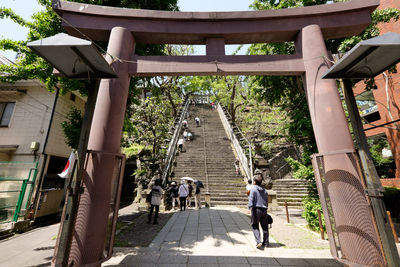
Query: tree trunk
x=232 y=109
x=171 y=101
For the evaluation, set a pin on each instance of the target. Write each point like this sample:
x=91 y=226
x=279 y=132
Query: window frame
x=2 y=112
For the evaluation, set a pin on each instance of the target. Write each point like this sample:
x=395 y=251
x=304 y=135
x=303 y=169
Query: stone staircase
x=290 y=190
x=210 y=159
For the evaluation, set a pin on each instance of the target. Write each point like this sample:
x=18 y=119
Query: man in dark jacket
x=258 y=204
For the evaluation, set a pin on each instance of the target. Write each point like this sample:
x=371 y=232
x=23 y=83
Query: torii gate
x=308 y=27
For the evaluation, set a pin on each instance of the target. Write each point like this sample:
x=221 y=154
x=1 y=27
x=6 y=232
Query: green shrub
x=72 y=127
x=311 y=202
x=310 y=213
x=383 y=166
x=391 y=197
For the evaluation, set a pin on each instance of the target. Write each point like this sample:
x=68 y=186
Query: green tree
x=149 y=129
x=384 y=166
x=45 y=24
x=288 y=92
x=28 y=65
x=173 y=87
x=72 y=127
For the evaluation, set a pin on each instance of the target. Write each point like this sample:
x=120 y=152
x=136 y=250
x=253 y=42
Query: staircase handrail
x=245 y=160
x=172 y=144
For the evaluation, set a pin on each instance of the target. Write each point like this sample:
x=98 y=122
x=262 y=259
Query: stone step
x=233 y=196
x=211 y=142
x=290 y=200
x=294 y=190
x=218 y=175
x=211 y=166
x=195 y=159
x=300 y=186
x=289 y=181
x=290 y=204
x=229 y=203
x=234 y=190
x=278 y=194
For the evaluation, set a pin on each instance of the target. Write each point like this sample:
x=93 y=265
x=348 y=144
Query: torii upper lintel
x=164 y=27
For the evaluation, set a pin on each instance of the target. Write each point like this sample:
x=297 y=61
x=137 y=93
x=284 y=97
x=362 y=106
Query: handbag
x=269 y=219
x=149 y=196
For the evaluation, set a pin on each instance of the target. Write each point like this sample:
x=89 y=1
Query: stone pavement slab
x=216 y=237
x=209 y=237
x=33 y=248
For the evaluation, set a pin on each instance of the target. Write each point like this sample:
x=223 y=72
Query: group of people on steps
x=257 y=198
x=182 y=195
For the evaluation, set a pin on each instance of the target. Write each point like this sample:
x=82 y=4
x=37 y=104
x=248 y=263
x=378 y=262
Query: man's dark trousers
x=259 y=215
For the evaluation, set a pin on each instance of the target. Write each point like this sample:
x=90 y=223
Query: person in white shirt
x=197 y=119
x=180 y=144
x=183 y=193
x=156 y=194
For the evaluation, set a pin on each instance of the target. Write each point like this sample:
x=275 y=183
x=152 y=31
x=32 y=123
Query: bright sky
x=26 y=8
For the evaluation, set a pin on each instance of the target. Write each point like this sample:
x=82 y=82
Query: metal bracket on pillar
x=376 y=193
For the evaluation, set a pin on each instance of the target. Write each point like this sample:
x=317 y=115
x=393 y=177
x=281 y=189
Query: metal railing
x=17 y=181
x=240 y=143
x=171 y=152
x=113 y=206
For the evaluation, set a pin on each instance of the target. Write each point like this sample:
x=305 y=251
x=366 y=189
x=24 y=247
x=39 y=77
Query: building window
x=6 y=110
x=367 y=106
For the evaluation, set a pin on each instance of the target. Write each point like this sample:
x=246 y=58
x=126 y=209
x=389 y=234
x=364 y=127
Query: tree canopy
x=45 y=24
x=288 y=92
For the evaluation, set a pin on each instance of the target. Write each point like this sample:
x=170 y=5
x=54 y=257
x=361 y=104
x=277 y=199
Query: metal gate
x=348 y=215
x=17 y=180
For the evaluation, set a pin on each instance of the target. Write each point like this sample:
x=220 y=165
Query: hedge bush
x=310 y=213
x=391 y=198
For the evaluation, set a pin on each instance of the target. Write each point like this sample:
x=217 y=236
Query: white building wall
x=56 y=143
x=31 y=118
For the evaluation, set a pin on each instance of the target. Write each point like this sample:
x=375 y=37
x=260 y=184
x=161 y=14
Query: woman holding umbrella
x=183 y=193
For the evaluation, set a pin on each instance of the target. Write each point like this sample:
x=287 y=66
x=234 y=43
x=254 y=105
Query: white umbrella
x=187 y=178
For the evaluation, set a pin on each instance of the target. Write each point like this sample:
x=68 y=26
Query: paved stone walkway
x=214 y=237
x=33 y=248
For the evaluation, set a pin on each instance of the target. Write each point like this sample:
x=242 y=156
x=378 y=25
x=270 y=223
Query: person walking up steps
x=197 y=197
x=181 y=141
x=183 y=193
x=258 y=204
x=197 y=120
x=174 y=195
x=156 y=193
x=189 y=197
